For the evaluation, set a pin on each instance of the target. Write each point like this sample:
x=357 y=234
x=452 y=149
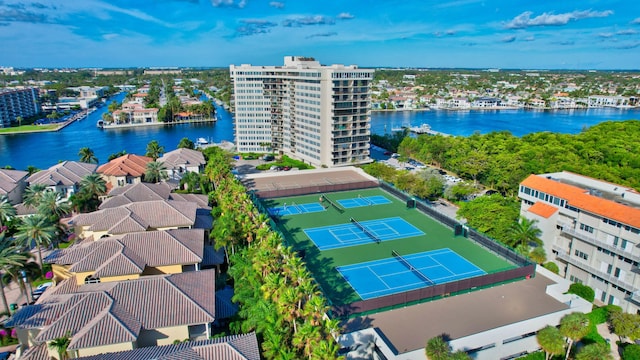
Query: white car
x=35 y=294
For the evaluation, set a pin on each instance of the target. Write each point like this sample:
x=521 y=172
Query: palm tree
x=574 y=327
x=87 y=156
x=154 y=150
x=9 y=257
x=155 y=172
x=525 y=232
x=33 y=194
x=53 y=206
x=93 y=184
x=185 y=143
x=60 y=345
x=36 y=229
x=551 y=341
x=7 y=211
x=595 y=351
x=32 y=170
x=437 y=348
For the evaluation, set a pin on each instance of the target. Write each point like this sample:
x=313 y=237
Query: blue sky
x=413 y=33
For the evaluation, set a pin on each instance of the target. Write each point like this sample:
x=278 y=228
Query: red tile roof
x=130 y=164
x=581 y=199
x=542 y=209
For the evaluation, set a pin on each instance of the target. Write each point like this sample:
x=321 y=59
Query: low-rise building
x=180 y=161
x=12 y=184
x=126 y=169
x=64 y=177
x=591 y=228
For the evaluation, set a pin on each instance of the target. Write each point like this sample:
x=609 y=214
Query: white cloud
x=626 y=32
x=231 y=3
x=636 y=21
x=508 y=39
x=345 y=16
x=525 y=20
x=277 y=4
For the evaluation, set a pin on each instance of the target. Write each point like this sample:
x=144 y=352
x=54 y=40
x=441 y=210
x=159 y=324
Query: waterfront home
x=121 y=315
x=486 y=102
x=597 y=101
x=233 y=347
x=535 y=104
x=64 y=177
x=180 y=161
x=12 y=184
x=126 y=169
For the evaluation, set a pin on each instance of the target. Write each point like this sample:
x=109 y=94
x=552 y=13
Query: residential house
x=12 y=184
x=233 y=347
x=127 y=169
x=130 y=256
x=147 y=192
x=180 y=161
x=64 y=177
x=116 y=316
x=486 y=102
x=141 y=216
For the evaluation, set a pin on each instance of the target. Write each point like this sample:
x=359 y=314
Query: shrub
x=551 y=266
x=583 y=291
x=631 y=352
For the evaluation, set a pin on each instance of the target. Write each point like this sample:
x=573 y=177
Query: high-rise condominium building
x=591 y=229
x=16 y=103
x=315 y=113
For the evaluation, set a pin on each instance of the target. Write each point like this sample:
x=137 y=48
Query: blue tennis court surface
x=337 y=236
x=391 y=275
x=295 y=209
x=364 y=201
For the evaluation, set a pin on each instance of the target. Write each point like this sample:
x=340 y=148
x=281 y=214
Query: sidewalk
x=603 y=329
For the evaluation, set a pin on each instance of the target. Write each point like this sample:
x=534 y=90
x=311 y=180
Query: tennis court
x=398 y=274
x=361 y=232
x=364 y=201
x=295 y=209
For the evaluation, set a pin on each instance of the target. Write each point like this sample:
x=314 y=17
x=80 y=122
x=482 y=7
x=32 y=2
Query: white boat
x=202 y=141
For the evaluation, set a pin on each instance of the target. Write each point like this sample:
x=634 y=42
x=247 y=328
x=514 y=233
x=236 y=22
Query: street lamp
x=27 y=283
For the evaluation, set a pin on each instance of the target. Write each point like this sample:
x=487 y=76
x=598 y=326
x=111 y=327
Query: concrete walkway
x=603 y=329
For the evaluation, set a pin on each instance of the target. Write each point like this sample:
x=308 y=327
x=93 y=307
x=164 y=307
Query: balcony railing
x=593 y=241
x=562 y=254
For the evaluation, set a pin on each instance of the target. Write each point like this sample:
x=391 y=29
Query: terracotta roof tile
x=234 y=347
x=542 y=209
x=581 y=199
x=126 y=165
x=66 y=173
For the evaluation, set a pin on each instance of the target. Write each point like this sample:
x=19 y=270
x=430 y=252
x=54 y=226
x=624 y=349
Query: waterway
x=43 y=150
x=518 y=122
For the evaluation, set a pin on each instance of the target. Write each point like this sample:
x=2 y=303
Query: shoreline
x=125 y=126
x=494 y=108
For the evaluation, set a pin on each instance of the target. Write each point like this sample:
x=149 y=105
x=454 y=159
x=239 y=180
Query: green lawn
x=323 y=263
x=28 y=128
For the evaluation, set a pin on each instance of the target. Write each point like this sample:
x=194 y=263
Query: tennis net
x=369 y=233
x=297 y=207
x=332 y=203
x=365 y=199
x=410 y=267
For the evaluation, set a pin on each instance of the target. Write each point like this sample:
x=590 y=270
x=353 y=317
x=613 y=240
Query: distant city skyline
x=215 y=33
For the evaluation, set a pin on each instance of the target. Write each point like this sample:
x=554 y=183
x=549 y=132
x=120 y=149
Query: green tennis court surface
x=330 y=241
x=398 y=274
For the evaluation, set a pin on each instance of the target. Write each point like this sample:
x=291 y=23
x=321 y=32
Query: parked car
x=268 y=157
x=38 y=291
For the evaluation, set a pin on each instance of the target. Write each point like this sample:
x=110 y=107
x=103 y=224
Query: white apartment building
x=315 y=113
x=16 y=103
x=591 y=229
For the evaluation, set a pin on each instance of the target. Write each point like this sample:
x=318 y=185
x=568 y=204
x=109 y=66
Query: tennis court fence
x=313 y=189
x=474 y=235
x=433 y=292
